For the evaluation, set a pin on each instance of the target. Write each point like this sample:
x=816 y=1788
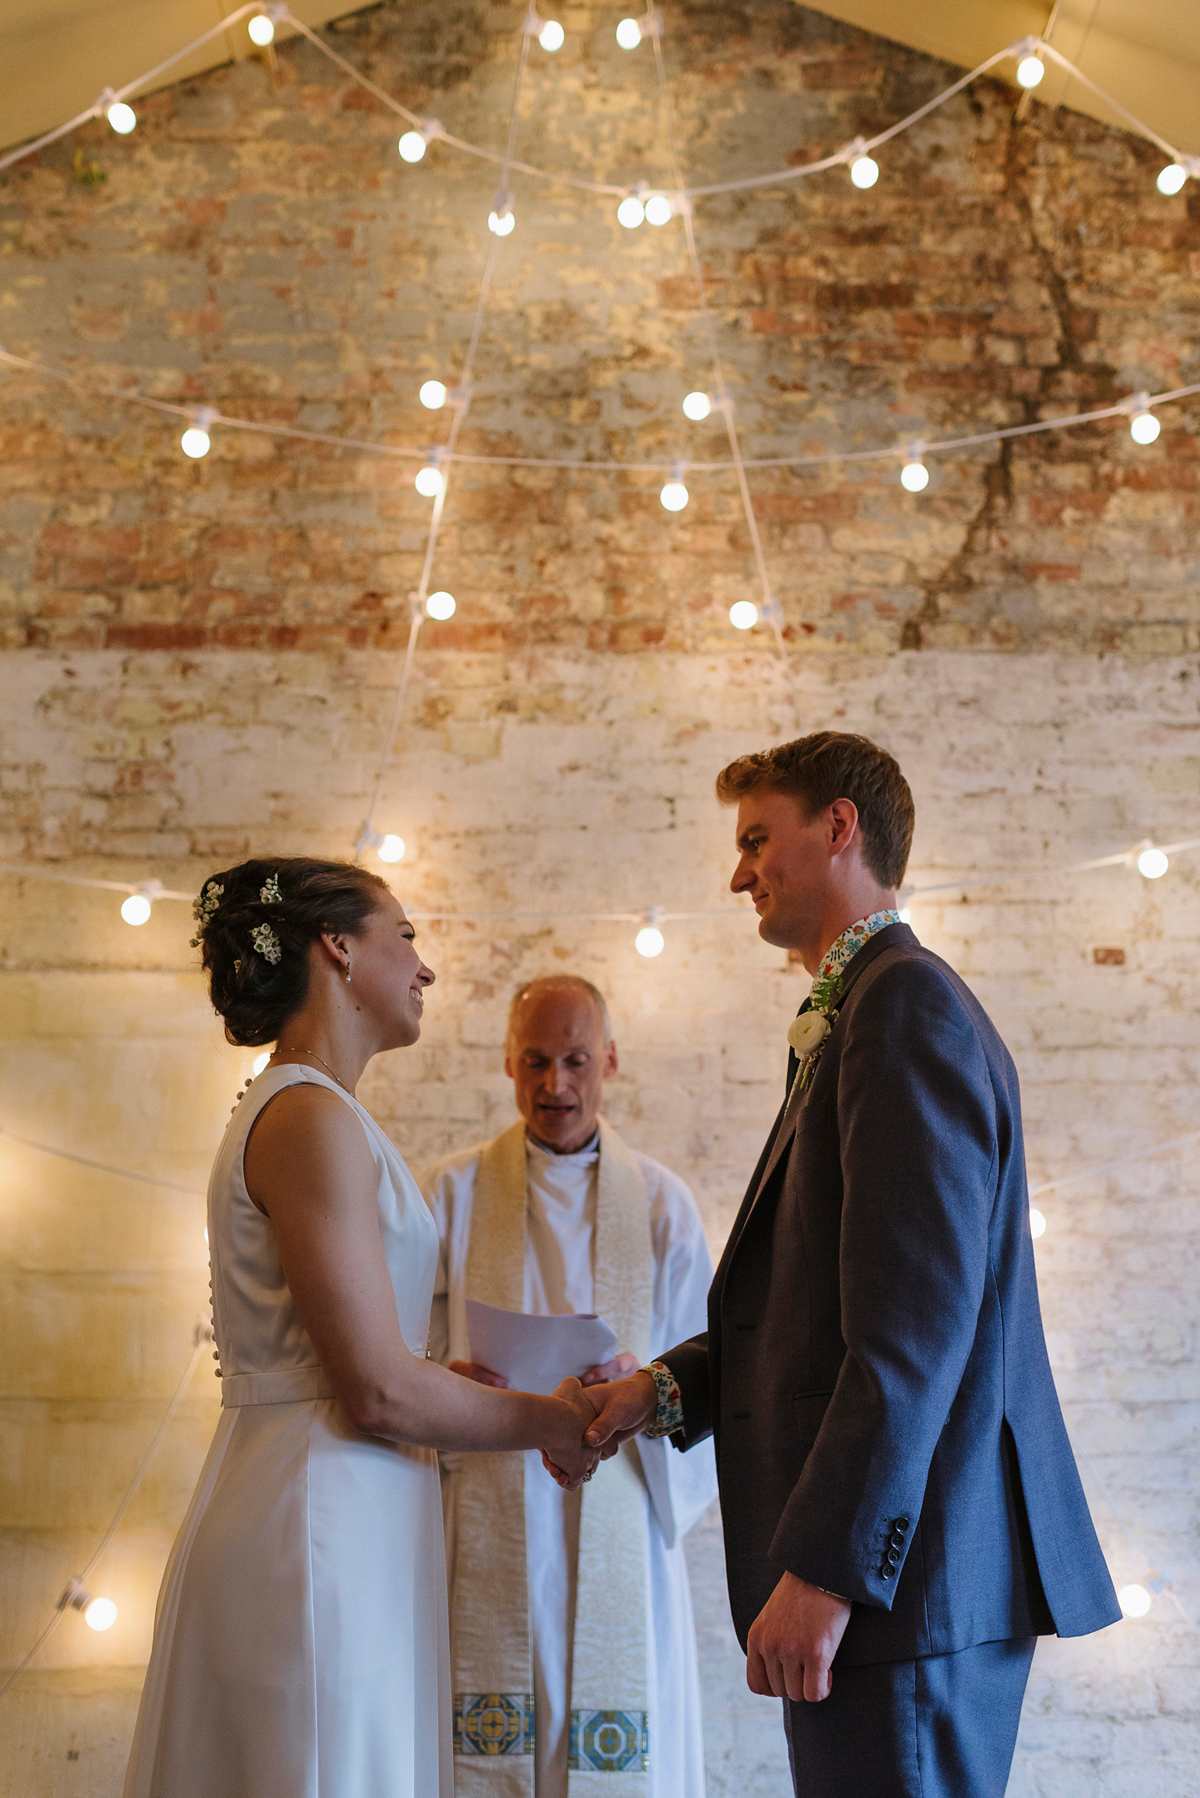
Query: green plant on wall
x=87 y=170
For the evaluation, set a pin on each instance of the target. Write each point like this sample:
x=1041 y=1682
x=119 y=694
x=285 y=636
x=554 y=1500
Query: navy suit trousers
x=943 y=1726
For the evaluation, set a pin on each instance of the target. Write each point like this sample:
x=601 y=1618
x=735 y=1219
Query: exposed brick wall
x=201 y=659
x=259 y=245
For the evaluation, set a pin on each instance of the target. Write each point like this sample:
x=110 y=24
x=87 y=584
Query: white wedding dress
x=301 y=1640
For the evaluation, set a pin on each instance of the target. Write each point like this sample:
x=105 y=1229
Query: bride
x=300 y=1644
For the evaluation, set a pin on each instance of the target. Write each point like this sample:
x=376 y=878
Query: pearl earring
x=347 y=973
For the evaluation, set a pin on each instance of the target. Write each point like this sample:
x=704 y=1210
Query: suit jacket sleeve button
x=886 y=1572
x=902 y=1523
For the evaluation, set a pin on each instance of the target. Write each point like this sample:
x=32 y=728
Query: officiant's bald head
x=558 y=1053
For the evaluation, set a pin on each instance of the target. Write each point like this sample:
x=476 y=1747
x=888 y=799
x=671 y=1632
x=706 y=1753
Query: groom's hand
x=793 y=1640
x=623 y=1408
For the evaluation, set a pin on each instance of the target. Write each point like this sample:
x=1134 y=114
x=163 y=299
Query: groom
x=902 y=1513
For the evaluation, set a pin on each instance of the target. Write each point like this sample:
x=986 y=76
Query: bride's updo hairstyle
x=255 y=926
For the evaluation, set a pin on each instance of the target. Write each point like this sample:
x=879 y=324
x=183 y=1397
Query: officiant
x=572 y=1638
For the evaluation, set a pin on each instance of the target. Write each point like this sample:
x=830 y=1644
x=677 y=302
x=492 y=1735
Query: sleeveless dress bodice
x=257 y=1327
x=301 y=1641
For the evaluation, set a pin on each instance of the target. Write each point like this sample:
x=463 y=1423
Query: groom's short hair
x=831 y=765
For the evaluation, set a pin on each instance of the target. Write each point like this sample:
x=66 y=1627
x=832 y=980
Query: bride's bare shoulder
x=306 y=1135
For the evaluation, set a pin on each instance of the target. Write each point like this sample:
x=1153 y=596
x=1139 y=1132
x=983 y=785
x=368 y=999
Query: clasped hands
x=600 y=1417
x=794 y=1638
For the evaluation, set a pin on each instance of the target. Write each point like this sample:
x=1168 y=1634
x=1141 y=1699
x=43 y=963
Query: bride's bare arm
x=309 y=1169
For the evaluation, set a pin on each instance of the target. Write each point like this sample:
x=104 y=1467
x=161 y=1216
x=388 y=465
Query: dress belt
x=280 y=1386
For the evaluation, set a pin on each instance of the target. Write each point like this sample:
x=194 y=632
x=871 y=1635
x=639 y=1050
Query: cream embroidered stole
x=494 y=1719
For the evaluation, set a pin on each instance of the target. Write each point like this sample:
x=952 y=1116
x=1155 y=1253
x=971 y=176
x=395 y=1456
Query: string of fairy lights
x=638 y=203
x=100 y=1611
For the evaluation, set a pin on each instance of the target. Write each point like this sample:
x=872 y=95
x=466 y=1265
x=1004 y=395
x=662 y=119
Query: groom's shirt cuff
x=669 y=1416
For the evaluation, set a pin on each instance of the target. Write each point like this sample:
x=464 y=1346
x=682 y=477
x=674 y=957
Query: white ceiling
x=1146 y=53
x=58 y=54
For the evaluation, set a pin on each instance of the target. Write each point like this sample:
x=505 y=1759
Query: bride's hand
x=565 y=1455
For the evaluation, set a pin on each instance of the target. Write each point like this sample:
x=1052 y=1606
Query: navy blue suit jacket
x=874 y=1370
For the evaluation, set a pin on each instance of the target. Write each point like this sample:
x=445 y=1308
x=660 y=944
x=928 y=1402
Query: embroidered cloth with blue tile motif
x=494 y=1721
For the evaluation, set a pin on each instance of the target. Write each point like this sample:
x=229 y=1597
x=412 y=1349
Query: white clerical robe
x=559 y=1234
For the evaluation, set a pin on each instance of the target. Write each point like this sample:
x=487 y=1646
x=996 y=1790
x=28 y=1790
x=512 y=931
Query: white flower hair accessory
x=269 y=893
x=203 y=908
x=266 y=943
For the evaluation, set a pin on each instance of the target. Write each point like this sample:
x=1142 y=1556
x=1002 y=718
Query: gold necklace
x=295 y=1049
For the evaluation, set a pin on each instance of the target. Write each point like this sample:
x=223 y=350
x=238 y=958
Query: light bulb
x=552 y=36
x=864 y=171
x=412 y=146
x=674 y=496
x=259 y=1063
x=261 y=30
x=432 y=395
x=501 y=218
x=658 y=210
x=429 y=481
x=649 y=941
x=630 y=212
x=1170 y=179
x=1151 y=863
x=1037 y=1223
x=1134 y=1600
x=122 y=118
x=440 y=604
x=195 y=442
x=914 y=477
x=1144 y=427
x=696 y=406
x=136 y=909
x=743 y=614
x=391 y=849
x=1030 y=70
x=904 y=915
x=100 y=1614
x=629 y=34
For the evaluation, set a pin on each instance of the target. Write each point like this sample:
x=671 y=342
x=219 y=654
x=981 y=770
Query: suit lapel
x=785 y=1124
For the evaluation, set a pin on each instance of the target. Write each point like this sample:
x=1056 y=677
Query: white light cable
x=103 y=1167
x=494 y=239
x=447 y=137
x=818 y=166
x=203 y=1337
x=602 y=465
x=1028 y=871
x=113 y=96
x=1105 y=1167
x=769 y=608
x=1191 y=165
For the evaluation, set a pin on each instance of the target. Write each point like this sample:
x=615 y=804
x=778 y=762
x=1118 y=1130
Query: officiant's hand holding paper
x=617 y=1369
x=483 y=1376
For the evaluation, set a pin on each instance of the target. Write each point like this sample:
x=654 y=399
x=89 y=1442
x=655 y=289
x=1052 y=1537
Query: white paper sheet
x=535 y=1353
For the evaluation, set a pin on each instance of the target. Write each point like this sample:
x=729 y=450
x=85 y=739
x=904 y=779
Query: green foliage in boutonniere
x=826 y=991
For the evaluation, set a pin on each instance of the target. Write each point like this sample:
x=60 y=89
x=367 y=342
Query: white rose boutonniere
x=808 y=1032
x=807 y=1035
